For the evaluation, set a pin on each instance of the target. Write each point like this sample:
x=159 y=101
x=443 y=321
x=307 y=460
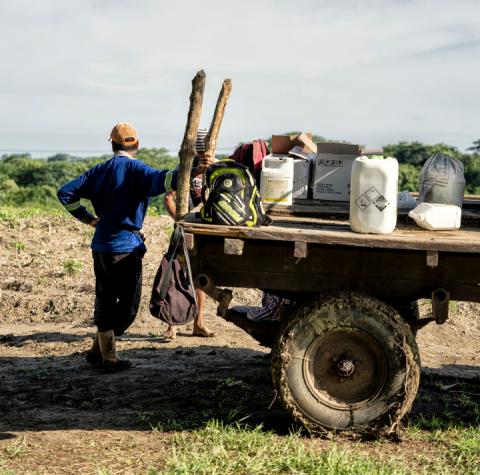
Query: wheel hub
x=345 y=368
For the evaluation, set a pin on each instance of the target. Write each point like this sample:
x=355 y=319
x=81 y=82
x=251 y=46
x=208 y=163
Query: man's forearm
x=83 y=215
x=169 y=203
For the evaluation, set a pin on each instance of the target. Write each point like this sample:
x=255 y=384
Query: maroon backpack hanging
x=173 y=298
x=251 y=155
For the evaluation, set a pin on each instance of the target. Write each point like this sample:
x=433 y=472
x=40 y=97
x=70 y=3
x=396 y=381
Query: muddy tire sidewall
x=383 y=324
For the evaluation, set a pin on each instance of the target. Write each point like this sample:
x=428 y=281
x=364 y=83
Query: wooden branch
x=187 y=149
x=211 y=138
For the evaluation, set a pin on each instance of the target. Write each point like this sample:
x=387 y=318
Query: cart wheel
x=409 y=311
x=346 y=361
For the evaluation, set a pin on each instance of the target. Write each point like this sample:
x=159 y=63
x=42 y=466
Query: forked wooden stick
x=211 y=138
x=187 y=149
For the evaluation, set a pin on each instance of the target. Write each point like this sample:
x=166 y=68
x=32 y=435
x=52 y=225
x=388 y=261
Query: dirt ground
x=61 y=416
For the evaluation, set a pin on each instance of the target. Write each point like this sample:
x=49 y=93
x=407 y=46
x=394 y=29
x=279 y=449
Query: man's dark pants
x=118 y=289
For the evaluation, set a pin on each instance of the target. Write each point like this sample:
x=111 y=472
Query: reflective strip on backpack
x=224 y=214
x=251 y=205
x=168 y=181
x=222 y=171
x=206 y=218
x=73 y=206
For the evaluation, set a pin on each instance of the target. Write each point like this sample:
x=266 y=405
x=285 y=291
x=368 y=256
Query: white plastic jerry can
x=276 y=182
x=437 y=216
x=373 y=195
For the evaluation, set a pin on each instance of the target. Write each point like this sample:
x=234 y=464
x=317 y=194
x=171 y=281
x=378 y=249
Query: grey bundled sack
x=442 y=181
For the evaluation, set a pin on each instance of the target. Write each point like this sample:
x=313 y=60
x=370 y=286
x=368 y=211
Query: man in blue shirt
x=119 y=190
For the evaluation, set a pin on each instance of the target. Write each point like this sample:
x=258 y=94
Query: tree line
x=28 y=182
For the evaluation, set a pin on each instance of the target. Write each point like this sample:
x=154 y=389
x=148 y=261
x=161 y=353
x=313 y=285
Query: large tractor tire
x=409 y=311
x=346 y=362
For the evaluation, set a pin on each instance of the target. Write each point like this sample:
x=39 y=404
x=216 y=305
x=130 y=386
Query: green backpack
x=233 y=197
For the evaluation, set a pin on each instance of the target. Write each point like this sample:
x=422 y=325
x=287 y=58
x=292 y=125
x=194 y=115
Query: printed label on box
x=330 y=163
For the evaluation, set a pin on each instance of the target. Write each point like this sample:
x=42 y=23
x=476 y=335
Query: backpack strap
x=171 y=254
x=189 y=267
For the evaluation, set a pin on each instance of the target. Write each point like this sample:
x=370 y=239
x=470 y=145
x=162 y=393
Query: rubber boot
x=111 y=363
x=94 y=355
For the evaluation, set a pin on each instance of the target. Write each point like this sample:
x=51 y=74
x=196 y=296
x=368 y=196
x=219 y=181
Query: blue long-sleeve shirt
x=119 y=190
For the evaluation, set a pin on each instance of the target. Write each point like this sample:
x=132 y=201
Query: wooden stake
x=211 y=138
x=187 y=149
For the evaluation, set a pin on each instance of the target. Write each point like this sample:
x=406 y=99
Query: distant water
x=84 y=153
x=50 y=153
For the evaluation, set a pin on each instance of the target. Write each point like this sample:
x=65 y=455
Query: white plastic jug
x=373 y=195
x=437 y=216
x=276 y=182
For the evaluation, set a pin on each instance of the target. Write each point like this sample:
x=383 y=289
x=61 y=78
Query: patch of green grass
x=170 y=421
x=144 y=417
x=42 y=280
x=87 y=235
x=72 y=266
x=15 y=449
x=230 y=382
x=104 y=471
x=19 y=246
x=432 y=423
x=15 y=217
x=458 y=447
x=219 y=449
x=10 y=213
x=464 y=450
x=459 y=409
x=466 y=401
x=155 y=334
x=453 y=306
x=3 y=470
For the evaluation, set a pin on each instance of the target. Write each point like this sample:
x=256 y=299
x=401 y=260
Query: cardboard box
x=301 y=178
x=372 y=151
x=282 y=144
x=333 y=169
x=309 y=145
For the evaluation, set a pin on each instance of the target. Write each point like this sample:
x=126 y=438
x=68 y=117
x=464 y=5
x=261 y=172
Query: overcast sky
x=368 y=71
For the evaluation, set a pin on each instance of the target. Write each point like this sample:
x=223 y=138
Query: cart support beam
x=432 y=259
x=440 y=301
x=301 y=249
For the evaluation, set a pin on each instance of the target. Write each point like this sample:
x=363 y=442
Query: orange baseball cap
x=124 y=134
